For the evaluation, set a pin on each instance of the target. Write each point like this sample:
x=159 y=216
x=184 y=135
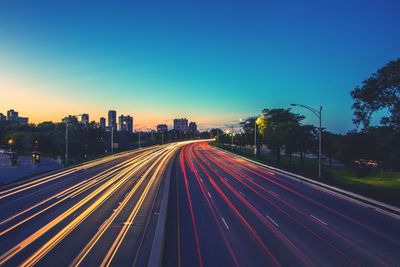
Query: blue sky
x=211 y=61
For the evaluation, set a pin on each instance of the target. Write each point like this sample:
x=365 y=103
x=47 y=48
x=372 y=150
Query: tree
x=380 y=91
x=280 y=129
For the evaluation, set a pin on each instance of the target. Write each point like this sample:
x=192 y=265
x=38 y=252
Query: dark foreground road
x=226 y=211
x=98 y=214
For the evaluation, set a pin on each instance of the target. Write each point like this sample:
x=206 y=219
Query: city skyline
x=213 y=62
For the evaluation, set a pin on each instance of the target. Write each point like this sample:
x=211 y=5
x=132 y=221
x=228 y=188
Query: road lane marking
x=319 y=220
x=275 y=194
x=209 y=194
x=226 y=225
x=271 y=220
x=242 y=193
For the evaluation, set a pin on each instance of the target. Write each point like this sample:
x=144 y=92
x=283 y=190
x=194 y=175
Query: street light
x=10 y=142
x=66 y=135
x=317 y=113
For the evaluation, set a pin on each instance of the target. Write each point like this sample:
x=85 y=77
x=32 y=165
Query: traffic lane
x=271 y=243
x=76 y=213
x=313 y=243
x=40 y=201
x=71 y=246
x=224 y=237
x=348 y=232
x=323 y=198
x=361 y=215
x=97 y=248
x=36 y=186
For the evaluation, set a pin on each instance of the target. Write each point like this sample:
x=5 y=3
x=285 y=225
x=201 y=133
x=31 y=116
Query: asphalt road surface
x=98 y=214
x=227 y=211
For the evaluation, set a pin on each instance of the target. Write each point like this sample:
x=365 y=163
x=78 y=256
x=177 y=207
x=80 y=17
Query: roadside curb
x=157 y=248
x=384 y=208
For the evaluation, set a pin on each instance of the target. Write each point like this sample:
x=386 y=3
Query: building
x=192 y=127
x=162 y=128
x=12 y=115
x=125 y=123
x=2 y=117
x=23 y=120
x=85 y=119
x=112 y=119
x=181 y=125
x=103 y=123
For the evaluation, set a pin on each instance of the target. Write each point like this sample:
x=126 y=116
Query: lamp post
x=255 y=137
x=10 y=143
x=66 y=136
x=317 y=113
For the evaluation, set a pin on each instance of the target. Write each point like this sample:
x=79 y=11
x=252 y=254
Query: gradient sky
x=211 y=61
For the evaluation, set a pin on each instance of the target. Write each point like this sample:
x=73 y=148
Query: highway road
x=227 y=211
x=103 y=213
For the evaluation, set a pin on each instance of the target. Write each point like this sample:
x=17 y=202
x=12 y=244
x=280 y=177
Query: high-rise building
x=162 y=128
x=112 y=119
x=12 y=115
x=85 y=119
x=102 y=123
x=181 y=125
x=125 y=123
x=192 y=127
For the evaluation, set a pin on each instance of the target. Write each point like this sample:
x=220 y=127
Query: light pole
x=317 y=113
x=10 y=143
x=66 y=135
x=255 y=137
x=112 y=139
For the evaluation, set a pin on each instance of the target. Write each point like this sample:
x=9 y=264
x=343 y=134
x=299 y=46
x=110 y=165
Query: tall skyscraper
x=125 y=123
x=181 y=125
x=102 y=123
x=112 y=119
x=85 y=119
x=12 y=115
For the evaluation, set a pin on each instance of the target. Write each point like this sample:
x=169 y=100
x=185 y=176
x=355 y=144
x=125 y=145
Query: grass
x=382 y=186
x=390 y=180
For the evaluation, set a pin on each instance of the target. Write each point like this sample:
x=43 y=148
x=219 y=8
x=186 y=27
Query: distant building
x=162 y=128
x=102 y=123
x=85 y=119
x=12 y=115
x=193 y=127
x=23 y=120
x=125 y=123
x=181 y=125
x=112 y=119
x=2 y=117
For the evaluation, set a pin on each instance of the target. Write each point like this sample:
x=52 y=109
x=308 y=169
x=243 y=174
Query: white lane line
x=209 y=194
x=321 y=221
x=226 y=225
x=271 y=220
x=201 y=180
x=242 y=194
x=275 y=194
x=225 y=179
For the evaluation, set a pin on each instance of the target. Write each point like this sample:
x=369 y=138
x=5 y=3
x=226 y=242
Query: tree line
x=283 y=131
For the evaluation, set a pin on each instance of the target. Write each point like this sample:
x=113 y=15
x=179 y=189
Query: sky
x=213 y=62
